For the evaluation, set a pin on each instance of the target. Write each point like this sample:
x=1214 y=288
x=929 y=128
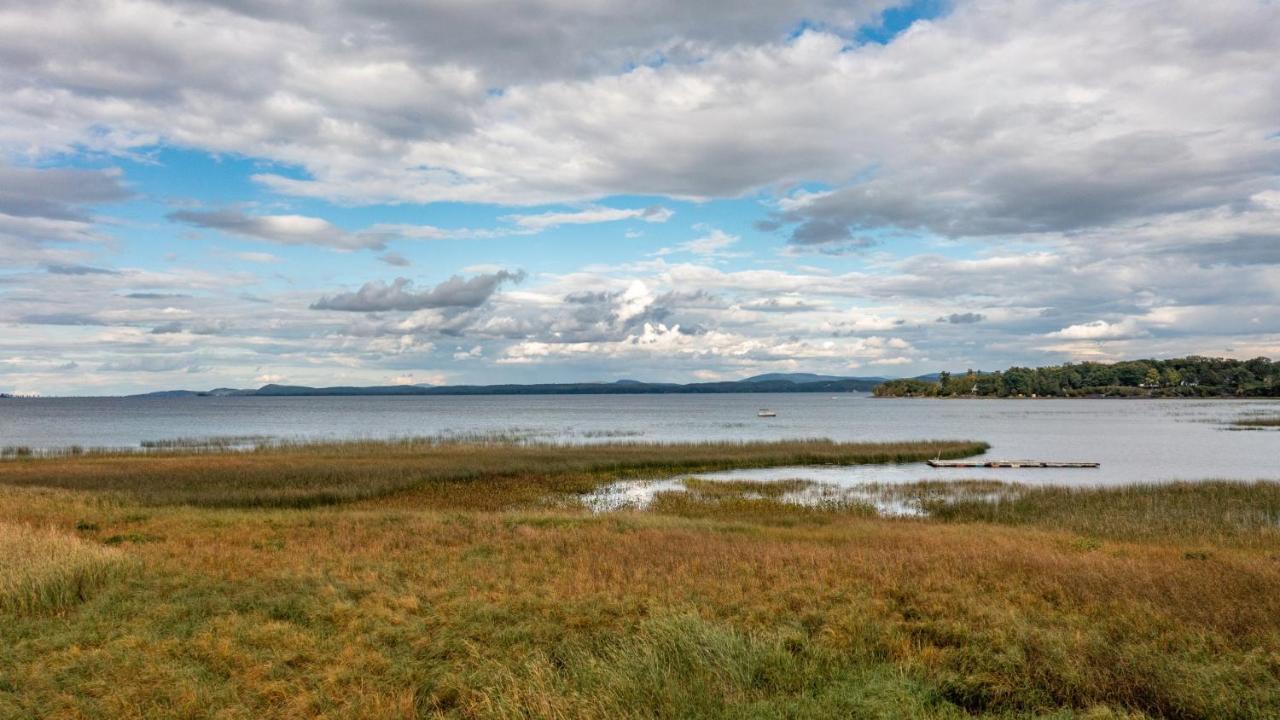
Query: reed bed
x=746 y=488
x=765 y=502
x=1226 y=511
x=477 y=474
x=43 y=569
x=1257 y=422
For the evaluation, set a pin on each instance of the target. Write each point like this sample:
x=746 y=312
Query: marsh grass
x=1225 y=511
x=465 y=599
x=746 y=488
x=763 y=502
x=444 y=472
x=1257 y=422
x=43 y=569
x=684 y=666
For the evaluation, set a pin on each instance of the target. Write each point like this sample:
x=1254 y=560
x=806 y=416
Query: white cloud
x=257 y=257
x=1002 y=116
x=281 y=229
x=1088 y=178
x=544 y=221
x=712 y=244
x=1099 y=330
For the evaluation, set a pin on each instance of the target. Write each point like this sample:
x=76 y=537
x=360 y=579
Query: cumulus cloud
x=826 y=235
x=1043 y=116
x=656 y=339
x=787 y=304
x=456 y=292
x=1099 y=330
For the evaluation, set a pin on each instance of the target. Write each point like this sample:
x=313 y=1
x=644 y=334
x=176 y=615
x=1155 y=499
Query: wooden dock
x=1010 y=464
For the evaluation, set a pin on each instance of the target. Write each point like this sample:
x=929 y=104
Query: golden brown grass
x=416 y=606
x=43 y=569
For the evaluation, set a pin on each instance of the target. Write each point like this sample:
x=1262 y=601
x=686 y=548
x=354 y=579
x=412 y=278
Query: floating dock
x=1011 y=464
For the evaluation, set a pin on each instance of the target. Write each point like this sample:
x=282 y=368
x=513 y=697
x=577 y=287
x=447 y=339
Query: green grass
x=684 y=666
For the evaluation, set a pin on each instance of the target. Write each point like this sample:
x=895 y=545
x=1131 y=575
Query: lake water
x=1135 y=440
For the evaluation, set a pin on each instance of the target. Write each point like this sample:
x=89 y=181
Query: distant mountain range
x=807 y=378
x=767 y=383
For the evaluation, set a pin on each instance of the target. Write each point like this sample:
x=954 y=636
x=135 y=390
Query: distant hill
x=761 y=384
x=807 y=378
x=216 y=392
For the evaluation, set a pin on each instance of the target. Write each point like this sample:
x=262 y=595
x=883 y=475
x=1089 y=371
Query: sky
x=229 y=193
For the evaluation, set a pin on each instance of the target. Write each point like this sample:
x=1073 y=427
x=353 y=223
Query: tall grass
x=42 y=569
x=764 y=502
x=1258 y=422
x=405 y=611
x=684 y=666
x=1226 y=511
x=443 y=601
x=444 y=472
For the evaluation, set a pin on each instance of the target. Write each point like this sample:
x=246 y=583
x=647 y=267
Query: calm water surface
x=1135 y=440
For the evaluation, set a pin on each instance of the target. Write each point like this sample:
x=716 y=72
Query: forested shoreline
x=1190 y=377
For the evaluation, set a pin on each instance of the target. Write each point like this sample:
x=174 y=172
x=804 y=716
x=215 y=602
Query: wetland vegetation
x=1257 y=423
x=467 y=580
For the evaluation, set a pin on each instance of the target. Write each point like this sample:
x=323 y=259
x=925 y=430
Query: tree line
x=1180 y=377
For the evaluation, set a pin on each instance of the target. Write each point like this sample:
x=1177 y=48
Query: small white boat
x=766 y=412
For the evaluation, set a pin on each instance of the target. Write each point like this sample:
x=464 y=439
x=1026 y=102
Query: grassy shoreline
x=303 y=475
x=481 y=595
